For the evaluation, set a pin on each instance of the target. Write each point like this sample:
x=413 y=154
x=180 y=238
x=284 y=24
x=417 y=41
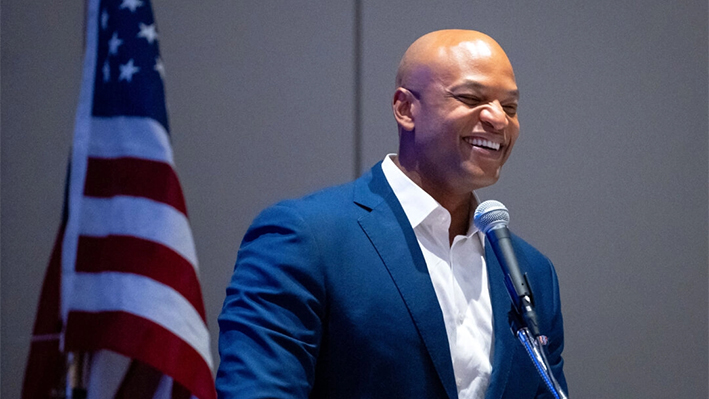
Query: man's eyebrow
x=479 y=86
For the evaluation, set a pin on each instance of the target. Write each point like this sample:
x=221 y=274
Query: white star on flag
x=106 y=71
x=104 y=20
x=131 y=4
x=128 y=70
x=148 y=32
x=159 y=67
x=114 y=43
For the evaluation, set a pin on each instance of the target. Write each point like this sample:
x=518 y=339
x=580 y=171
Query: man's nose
x=493 y=115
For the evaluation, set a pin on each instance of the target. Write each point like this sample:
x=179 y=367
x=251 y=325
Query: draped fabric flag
x=123 y=274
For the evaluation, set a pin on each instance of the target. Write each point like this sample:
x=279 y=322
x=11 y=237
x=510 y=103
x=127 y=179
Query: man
x=383 y=288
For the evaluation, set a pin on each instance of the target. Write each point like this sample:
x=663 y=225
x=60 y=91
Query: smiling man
x=456 y=107
x=383 y=288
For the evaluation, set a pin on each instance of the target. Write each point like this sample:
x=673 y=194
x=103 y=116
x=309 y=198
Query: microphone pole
x=491 y=218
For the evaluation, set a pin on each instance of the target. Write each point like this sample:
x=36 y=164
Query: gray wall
x=609 y=177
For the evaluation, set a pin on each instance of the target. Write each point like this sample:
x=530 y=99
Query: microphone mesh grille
x=490 y=214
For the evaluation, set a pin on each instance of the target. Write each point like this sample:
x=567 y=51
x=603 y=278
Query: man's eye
x=469 y=100
x=510 y=110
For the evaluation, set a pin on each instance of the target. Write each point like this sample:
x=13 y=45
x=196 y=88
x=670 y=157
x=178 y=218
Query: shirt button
x=459 y=381
x=461 y=318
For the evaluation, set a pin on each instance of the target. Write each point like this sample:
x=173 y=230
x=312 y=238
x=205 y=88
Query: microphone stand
x=531 y=338
x=491 y=218
x=520 y=291
x=535 y=351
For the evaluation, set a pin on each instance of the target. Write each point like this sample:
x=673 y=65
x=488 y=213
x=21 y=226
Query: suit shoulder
x=321 y=208
x=325 y=201
x=523 y=244
x=532 y=254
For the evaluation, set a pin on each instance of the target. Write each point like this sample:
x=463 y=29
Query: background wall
x=273 y=99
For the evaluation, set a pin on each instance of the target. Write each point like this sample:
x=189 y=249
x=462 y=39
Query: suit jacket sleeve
x=270 y=325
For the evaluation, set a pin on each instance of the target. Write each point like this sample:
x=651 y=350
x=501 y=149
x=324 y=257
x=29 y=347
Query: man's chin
x=481 y=178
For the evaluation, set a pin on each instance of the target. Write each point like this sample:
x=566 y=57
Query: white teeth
x=484 y=143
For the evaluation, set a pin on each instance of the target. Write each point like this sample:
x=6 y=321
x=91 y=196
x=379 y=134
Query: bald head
x=456 y=109
x=433 y=53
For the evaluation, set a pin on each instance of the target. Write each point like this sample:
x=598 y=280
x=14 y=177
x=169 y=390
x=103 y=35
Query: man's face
x=465 y=117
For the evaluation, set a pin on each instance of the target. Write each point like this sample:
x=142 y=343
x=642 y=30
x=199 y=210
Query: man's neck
x=460 y=218
x=457 y=204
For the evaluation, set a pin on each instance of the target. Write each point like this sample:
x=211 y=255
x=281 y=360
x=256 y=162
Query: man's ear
x=402 y=106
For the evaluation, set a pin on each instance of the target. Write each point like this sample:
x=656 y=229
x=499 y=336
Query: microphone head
x=489 y=215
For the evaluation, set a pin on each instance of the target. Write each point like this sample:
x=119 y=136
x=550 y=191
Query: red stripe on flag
x=147 y=258
x=140 y=382
x=143 y=340
x=45 y=365
x=135 y=177
x=179 y=392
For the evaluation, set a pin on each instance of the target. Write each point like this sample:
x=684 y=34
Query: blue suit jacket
x=331 y=298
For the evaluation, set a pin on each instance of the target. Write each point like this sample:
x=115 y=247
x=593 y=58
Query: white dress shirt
x=459 y=277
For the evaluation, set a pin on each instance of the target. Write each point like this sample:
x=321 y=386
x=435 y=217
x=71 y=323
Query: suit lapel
x=507 y=347
x=389 y=231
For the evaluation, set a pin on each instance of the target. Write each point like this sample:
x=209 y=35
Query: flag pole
x=75 y=361
x=77 y=374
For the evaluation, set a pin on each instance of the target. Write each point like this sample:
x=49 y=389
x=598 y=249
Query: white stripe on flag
x=125 y=136
x=106 y=372
x=164 y=390
x=144 y=297
x=138 y=217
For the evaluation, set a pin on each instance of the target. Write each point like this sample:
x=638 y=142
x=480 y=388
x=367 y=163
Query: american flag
x=124 y=268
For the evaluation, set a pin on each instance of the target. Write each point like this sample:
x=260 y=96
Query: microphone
x=491 y=217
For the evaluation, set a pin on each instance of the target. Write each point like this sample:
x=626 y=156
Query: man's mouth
x=478 y=142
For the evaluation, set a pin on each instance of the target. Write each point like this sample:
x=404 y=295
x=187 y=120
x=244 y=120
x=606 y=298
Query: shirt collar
x=418 y=204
